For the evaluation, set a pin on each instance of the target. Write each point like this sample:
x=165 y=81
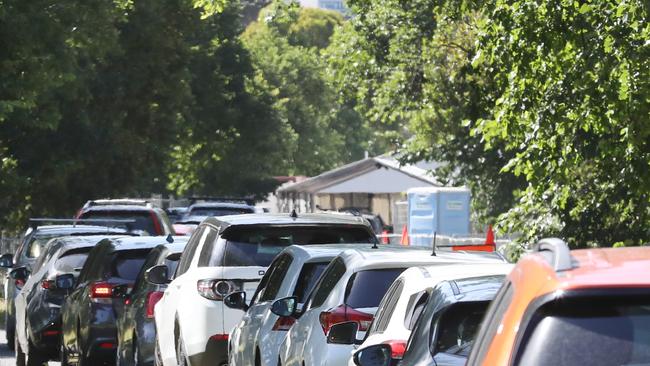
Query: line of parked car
x=250 y=288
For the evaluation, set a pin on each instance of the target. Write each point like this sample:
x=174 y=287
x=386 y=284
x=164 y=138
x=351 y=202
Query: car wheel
x=258 y=362
x=10 y=332
x=34 y=357
x=181 y=358
x=20 y=356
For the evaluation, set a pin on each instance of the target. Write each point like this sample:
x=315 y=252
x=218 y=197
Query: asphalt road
x=7 y=356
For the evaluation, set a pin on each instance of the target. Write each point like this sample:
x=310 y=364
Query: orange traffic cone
x=489 y=238
x=405 y=236
x=384 y=237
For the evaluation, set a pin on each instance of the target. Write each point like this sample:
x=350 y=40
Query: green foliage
x=572 y=104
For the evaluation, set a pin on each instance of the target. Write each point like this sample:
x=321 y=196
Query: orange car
x=559 y=307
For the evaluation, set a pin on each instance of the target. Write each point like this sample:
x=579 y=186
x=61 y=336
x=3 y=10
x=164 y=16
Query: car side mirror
x=157 y=275
x=343 y=333
x=20 y=273
x=6 y=260
x=375 y=355
x=65 y=281
x=284 y=307
x=236 y=300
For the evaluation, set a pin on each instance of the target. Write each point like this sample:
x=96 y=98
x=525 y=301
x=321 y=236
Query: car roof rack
x=34 y=222
x=119 y=201
x=246 y=200
x=560 y=258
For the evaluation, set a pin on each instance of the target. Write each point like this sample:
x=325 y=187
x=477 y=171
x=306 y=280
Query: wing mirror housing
x=6 y=260
x=343 y=333
x=236 y=300
x=375 y=355
x=65 y=281
x=285 y=307
x=157 y=275
x=20 y=273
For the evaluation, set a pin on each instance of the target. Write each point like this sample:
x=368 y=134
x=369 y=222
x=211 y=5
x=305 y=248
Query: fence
x=8 y=244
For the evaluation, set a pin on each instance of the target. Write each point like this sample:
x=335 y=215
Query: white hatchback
x=229 y=254
x=256 y=339
x=404 y=301
x=350 y=290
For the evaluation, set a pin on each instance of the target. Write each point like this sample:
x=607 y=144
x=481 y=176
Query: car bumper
x=216 y=354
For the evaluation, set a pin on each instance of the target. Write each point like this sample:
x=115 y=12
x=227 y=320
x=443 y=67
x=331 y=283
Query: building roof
x=381 y=174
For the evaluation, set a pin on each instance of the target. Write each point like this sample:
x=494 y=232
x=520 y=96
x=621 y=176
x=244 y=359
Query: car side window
x=93 y=266
x=208 y=250
x=387 y=307
x=491 y=323
x=420 y=300
x=327 y=282
x=188 y=253
x=275 y=280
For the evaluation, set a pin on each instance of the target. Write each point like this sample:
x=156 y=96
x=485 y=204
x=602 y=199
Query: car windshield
x=143 y=220
x=219 y=211
x=72 y=260
x=367 y=288
x=589 y=331
x=257 y=246
x=127 y=264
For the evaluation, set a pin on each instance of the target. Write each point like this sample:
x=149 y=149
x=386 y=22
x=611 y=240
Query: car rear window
x=307 y=280
x=143 y=220
x=367 y=288
x=127 y=264
x=258 y=245
x=589 y=331
x=36 y=245
x=457 y=327
x=220 y=211
x=72 y=260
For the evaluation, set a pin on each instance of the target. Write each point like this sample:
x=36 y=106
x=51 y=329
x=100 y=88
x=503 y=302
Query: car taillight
x=152 y=299
x=220 y=337
x=217 y=289
x=284 y=323
x=101 y=292
x=156 y=223
x=19 y=283
x=47 y=284
x=344 y=313
x=397 y=349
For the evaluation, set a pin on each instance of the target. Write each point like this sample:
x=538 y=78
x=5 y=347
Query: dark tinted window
x=279 y=270
x=127 y=264
x=327 y=282
x=492 y=321
x=307 y=280
x=457 y=327
x=72 y=260
x=366 y=288
x=257 y=246
x=386 y=307
x=420 y=300
x=589 y=331
x=143 y=219
x=198 y=236
x=172 y=263
x=219 y=211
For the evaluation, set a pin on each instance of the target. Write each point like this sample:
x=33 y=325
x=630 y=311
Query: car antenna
x=294 y=214
x=170 y=238
x=433 y=252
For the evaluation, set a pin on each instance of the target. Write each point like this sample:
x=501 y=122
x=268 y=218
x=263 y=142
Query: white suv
x=255 y=341
x=350 y=290
x=404 y=301
x=228 y=254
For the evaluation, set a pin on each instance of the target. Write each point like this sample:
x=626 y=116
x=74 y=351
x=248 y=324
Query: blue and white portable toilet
x=443 y=210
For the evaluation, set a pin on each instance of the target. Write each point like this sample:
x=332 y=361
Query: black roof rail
x=560 y=253
x=33 y=222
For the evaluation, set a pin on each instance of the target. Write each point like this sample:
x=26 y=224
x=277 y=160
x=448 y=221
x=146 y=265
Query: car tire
x=20 y=356
x=10 y=332
x=181 y=358
x=258 y=361
x=34 y=357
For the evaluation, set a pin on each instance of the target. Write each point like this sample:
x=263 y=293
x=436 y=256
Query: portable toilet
x=441 y=210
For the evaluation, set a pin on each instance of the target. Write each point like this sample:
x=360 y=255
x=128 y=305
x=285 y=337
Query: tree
x=406 y=66
x=572 y=104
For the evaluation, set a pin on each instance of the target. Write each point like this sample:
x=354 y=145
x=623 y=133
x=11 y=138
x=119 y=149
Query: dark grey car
x=30 y=248
x=38 y=303
x=90 y=312
x=136 y=330
x=444 y=332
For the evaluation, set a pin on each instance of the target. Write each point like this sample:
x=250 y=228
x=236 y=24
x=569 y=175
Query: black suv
x=30 y=248
x=89 y=313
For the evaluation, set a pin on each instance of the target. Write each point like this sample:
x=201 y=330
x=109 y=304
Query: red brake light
x=107 y=345
x=47 y=284
x=156 y=223
x=152 y=299
x=397 y=349
x=219 y=337
x=344 y=313
x=284 y=323
x=19 y=283
x=101 y=290
x=51 y=333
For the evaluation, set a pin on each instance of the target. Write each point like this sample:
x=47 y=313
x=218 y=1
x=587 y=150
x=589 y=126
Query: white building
x=337 y=5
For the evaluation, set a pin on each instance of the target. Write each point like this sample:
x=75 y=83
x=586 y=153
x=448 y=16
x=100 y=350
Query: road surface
x=7 y=357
